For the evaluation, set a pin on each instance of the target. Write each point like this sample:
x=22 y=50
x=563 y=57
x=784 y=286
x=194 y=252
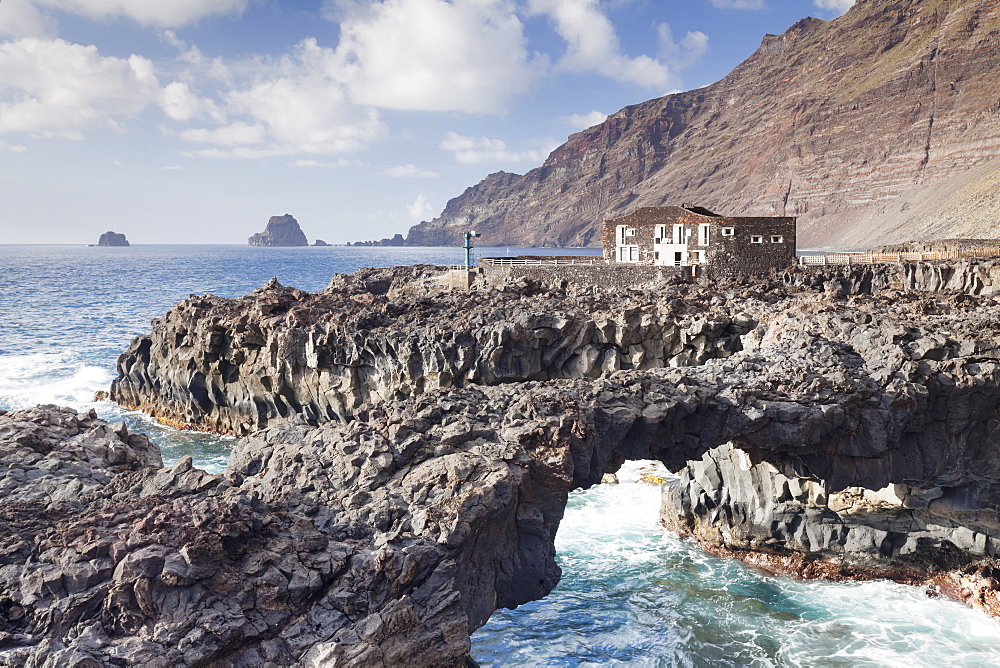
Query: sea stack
x=320 y=242
x=280 y=231
x=113 y=239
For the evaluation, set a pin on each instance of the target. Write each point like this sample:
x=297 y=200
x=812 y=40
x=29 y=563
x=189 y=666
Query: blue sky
x=193 y=121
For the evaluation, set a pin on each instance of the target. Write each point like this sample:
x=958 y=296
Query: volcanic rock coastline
x=832 y=422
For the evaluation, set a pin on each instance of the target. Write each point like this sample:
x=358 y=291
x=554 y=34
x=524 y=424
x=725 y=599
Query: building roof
x=700 y=210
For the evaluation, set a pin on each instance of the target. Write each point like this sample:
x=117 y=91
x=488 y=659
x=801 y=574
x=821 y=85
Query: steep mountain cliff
x=880 y=126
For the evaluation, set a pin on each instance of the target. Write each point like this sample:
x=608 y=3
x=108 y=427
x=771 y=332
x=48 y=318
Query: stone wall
x=736 y=256
x=613 y=276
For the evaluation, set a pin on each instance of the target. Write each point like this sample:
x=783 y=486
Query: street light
x=469 y=236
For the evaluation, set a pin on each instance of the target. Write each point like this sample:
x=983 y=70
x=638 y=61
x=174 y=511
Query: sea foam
x=49 y=378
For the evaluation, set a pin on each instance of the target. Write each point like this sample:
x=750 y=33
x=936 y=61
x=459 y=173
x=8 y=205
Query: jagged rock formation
x=320 y=242
x=880 y=126
x=237 y=365
x=113 y=239
x=389 y=538
x=789 y=524
x=280 y=231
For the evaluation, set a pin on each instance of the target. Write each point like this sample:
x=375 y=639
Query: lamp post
x=469 y=236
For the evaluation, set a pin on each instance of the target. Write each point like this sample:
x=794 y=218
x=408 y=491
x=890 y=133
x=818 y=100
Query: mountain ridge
x=856 y=125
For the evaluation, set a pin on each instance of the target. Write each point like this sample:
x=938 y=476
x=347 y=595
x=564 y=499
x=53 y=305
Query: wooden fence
x=883 y=258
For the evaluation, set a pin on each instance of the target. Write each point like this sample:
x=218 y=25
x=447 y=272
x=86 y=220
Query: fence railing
x=512 y=261
x=882 y=258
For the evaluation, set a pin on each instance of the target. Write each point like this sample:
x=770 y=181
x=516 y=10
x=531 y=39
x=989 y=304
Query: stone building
x=692 y=235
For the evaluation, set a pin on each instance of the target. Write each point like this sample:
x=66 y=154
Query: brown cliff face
x=880 y=126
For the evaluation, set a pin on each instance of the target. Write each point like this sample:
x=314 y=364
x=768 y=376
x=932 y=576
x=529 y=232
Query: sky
x=194 y=121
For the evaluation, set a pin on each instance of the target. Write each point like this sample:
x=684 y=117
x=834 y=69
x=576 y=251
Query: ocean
x=631 y=593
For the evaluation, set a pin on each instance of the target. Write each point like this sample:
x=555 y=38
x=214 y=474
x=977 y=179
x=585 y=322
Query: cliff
x=113 y=239
x=280 y=231
x=880 y=126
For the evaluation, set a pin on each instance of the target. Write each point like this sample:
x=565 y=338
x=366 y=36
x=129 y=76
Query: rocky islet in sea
x=112 y=239
x=280 y=231
x=388 y=532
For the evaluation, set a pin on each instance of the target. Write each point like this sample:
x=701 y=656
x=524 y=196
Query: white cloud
x=740 y=4
x=234 y=134
x=172 y=168
x=316 y=163
x=17 y=148
x=680 y=55
x=170 y=13
x=584 y=121
x=52 y=88
x=592 y=45
x=483 y=150
x=432 y=55
x=420 y=208
x=291 y=105
x=409 y=172
x=22 y=19
x=839 y=6
x=180 y=104
x=188 y=53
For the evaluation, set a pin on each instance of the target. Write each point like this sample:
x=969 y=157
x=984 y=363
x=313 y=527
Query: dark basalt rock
x=237 y=365
x=280 y=231
x=789 y=524
x=320 y=242
x=388 y=539
x=113 y=239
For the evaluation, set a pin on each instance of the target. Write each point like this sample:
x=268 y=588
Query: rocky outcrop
x=147 y=566
x=389 y=538
x=113 y=239
x=793 y=525
x=280 y=231
x=237 y=365
x=968 y=277
x=880 y=126
x=320 y=242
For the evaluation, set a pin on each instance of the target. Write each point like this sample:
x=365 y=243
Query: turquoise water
x=631 y=592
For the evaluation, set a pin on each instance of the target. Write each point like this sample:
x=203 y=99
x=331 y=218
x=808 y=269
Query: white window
x=630 y=232
x=694 y=257
x=678 y=234
x=777 y=239
x=621 y=235
x=703 y=234
x=756 y=239
x=728 y=231
x=661 y=232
